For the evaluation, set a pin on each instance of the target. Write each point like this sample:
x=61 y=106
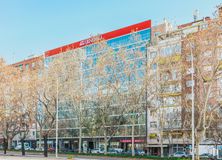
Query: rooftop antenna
x=195 y=15
x=166 y=24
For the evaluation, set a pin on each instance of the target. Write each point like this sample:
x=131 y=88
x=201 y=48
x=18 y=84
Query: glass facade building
x=132 y=38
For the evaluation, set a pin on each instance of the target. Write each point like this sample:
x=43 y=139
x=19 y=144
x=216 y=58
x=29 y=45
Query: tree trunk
x=9 y=143
x=170 y=144
x=80 y=138
x=161 y=144
x=197 y=157
x=40 y=139
x=5 y=145
x=133 y=149
x=215 y=153
x=23 y=146
x=45 y=138
x=105 y=143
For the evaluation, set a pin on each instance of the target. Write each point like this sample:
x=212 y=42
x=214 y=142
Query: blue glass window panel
x=178 y=48
x=143 y=49
x=95 y=58
x=154 y=66
x=123 y=40
x=87 y=73
x=141 y=73
x=108 y=69
x=85 y=65
x=132 y=77
x=140 y=63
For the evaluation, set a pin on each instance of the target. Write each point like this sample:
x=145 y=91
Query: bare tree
x=205 y=46
x=27 y=102
x=47 y=100
x=75 y=91
x=9 y=103
x=107 y=92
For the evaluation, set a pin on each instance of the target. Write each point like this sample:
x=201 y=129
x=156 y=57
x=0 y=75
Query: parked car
x=119 y=150
x=140 y=152
x=96 y=151
x=207 y=156
x=137 y=152
x=180 y=154
x=39 y=149
x=51 y=149
x=112 y=151
x=27 y=148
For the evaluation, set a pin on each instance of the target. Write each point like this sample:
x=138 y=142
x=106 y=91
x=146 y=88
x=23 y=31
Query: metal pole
x=80 y=110
x=192 y=90
x=57 y=116
x=146 y=107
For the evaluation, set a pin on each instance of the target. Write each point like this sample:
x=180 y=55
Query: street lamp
x=192 y=93
x=146 y=113
x=57 y=114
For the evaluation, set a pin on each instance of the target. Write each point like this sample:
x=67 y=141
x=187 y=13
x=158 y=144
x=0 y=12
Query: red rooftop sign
x=105 y=36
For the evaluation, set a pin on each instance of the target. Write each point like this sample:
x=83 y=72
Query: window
x=153 y=113
x=207 y=54
x=190 y=71
x=174 y=75
x=27 y=66
x=169 y=101
x=204 y=26
x=220 y=55
x=189 y=96
x=189 y=83
x=165 y=77
x=207 y=68
x=20 y=66
x=153 y=55
x=154 y=66
x=177 y=136
x=220 y=82
x=176 y=88
x=153 y=124
x=189 y=57
x=178 y=48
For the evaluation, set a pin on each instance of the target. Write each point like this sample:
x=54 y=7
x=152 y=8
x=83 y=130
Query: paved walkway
x=40 y=157
x=12 y=155
x=28 y=157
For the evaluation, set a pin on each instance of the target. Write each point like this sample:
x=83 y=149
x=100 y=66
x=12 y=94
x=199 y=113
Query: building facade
x=160 y=125
x=123 y=38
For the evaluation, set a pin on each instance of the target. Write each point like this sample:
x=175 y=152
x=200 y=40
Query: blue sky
x=34 y=26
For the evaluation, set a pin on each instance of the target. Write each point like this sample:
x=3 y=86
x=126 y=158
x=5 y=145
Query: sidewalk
x=14 y=155
x=28 y=157
x=38 y=157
